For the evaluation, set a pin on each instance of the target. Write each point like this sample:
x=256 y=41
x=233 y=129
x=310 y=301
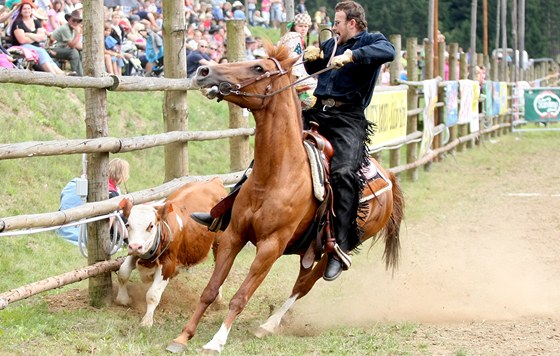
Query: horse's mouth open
x=211 y=92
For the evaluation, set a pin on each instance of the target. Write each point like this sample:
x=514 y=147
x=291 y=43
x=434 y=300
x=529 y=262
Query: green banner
x=542 y=104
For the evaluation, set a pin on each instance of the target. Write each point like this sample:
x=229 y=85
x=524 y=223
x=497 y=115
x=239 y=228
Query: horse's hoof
x=262 y=332
x=210 y=352
x=176 y=347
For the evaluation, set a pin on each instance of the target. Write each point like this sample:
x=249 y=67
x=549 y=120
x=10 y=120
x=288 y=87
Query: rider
x=342 y=96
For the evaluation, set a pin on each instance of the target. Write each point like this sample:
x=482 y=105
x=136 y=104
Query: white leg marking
x=153 y=296
x=218 y=341
x=274 y=321
x=124 y=274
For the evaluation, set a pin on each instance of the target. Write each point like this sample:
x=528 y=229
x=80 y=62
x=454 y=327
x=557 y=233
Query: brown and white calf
x=162 y=238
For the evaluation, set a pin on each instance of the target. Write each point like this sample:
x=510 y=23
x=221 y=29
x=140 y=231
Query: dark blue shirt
x=193 y=61
x=354 y=82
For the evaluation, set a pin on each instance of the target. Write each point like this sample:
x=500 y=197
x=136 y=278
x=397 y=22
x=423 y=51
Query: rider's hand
x=342 y=59
x=312 y=53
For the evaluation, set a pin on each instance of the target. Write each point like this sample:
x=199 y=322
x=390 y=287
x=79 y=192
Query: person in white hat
x=295 y=39
x=238 y=11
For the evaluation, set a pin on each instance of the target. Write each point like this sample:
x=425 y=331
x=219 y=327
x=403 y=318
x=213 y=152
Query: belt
x=331 y=103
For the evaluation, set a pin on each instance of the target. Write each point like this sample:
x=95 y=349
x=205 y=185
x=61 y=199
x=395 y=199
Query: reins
x=226 y=88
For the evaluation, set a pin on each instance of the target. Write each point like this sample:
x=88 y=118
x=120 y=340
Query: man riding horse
x=342 y=96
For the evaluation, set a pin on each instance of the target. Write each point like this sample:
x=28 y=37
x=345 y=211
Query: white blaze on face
x=140 y=236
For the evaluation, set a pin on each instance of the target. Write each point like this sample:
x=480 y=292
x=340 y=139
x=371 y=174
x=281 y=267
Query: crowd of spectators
x=133 y=36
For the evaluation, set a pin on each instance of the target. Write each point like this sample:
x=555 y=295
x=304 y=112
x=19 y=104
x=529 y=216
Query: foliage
x=409 y=18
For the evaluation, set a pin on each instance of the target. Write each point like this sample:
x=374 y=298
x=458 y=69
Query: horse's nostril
x=203 y=71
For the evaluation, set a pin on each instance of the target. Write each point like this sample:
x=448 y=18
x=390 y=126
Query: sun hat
x=237 y=3
x=74 y=15
x=40 y=14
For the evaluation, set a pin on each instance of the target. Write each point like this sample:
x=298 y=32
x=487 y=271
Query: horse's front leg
x=304 y=282
x=229 y=247
x=267 y=253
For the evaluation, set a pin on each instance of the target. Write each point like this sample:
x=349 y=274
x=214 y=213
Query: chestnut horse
x=275 y=206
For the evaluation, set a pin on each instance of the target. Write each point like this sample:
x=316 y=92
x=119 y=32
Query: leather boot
x=333 y=269
x=218 y=224
x=346 y=201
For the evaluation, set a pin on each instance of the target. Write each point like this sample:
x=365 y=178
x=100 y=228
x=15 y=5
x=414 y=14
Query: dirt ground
x=481 y=277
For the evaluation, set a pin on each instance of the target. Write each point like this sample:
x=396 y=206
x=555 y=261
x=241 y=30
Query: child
x=113 y=56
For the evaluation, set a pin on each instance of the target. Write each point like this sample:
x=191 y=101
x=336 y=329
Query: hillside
x=34 y=113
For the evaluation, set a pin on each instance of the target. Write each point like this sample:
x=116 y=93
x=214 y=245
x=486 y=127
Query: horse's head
x=249 y=83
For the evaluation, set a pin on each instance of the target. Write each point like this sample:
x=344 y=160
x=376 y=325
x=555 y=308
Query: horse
x=276 y=205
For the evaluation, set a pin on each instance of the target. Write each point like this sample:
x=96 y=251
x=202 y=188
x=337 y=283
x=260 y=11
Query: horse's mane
x=281 y=52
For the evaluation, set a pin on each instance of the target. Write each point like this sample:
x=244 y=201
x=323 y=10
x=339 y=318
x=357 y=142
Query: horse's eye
x=259 y=69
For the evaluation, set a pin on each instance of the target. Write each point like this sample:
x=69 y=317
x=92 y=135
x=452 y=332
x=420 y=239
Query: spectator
x=70 y=197
x=53 y=23
x=300 y=7
x=250 y=46
x=198 y=57
x=238 y=11
x=295 y=40
x=58 y=7
x=251 y=8
x=259 y=20
x=152 y=60
x=265 y=8
x=112 y=52
x=28 y=33
x=68 y=42
x=276 y=13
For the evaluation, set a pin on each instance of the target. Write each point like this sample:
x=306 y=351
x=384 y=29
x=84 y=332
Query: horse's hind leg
x=304 y=282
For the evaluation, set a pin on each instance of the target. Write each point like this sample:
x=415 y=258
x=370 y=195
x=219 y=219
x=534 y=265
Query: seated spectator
x=68 y=42
x=238 y=11
x=198 y=57
x=27 y=32
x=259 y=20
x=152 y=60
x=250 y=45
x=113 y=56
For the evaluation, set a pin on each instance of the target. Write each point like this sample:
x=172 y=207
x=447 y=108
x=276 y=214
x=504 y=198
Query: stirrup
x=216 y=224
x=343 y=256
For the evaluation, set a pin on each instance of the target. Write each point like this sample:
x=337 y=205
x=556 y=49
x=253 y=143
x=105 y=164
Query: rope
x=115 y=242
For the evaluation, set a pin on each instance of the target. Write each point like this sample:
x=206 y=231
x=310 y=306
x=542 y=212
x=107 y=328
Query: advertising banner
x=451 y=103
x=542 y=104
x=388 y=111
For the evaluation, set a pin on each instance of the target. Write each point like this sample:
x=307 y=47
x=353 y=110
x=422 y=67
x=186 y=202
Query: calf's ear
x=125 y=205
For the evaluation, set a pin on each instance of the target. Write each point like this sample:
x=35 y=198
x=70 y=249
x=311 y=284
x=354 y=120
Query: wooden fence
x=460 y=139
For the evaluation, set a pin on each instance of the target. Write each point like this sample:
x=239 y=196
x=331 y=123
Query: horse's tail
x=392 y=229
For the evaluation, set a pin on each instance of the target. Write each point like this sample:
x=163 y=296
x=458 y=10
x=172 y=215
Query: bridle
x=227 y=88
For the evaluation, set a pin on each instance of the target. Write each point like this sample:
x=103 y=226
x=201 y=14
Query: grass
x=61 y=322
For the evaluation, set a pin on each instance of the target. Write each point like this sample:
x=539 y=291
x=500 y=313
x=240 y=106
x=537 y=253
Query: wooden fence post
x=453 y=75
x=239 y=150
x=395 y=154
x=462 y=75
x=412 y=99
x=439 y=115
x=428 y=74
x=175 y=109
x=100 y=286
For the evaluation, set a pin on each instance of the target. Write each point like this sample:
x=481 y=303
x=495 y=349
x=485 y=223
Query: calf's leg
x=125 y=270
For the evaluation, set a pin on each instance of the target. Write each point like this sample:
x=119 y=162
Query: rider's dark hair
x=353 y=11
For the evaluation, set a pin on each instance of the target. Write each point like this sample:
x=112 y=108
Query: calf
x=161 y=238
